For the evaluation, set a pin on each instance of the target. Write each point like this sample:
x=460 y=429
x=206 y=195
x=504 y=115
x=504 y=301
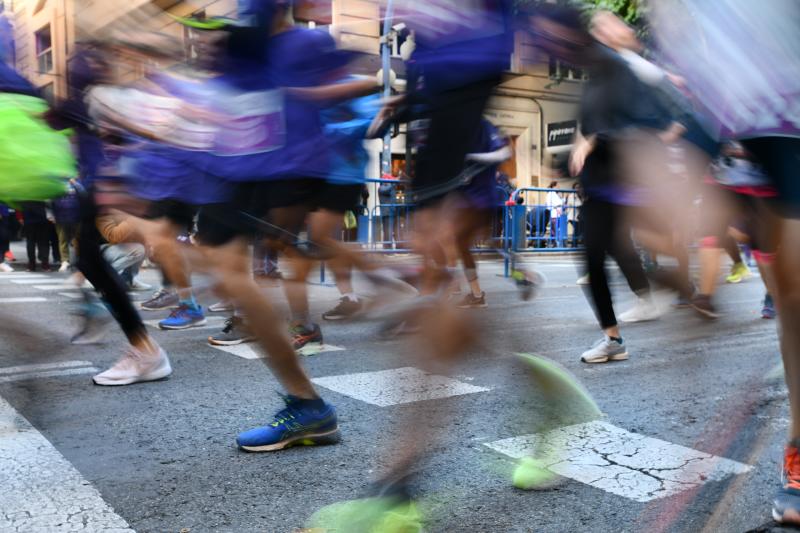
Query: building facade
x=535 y=105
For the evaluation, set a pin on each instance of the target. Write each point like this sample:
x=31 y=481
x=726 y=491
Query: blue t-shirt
x=346 y=126
x=482 y=190
x=296 y=147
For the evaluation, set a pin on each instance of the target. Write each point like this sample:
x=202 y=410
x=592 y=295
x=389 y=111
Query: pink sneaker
x=136 y=366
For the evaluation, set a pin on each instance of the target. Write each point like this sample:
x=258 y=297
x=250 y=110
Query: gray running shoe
x=346 y=308
x=470 y=301
x=605 y=350
x=235 y=332
x=161 y=299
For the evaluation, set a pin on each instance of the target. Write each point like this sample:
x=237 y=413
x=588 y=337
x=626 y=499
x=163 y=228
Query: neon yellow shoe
x=367 y=515
x=739 y=273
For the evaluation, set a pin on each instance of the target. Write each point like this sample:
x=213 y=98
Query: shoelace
x=181 y=309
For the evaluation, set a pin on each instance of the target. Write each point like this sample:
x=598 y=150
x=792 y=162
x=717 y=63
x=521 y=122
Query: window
x=44 y=50
x=564 y=71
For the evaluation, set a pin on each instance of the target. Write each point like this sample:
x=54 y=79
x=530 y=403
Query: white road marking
x=73 y=295
x=23 y=300
x=398 y=386
x=249 y=351
x=29 y=280
x=20 y=274
x=620 y=462
x=49 y=374
x=43 y=366
x=42 y=491
x=59 y=287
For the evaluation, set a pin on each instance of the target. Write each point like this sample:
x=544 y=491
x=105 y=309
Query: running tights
x=606 y=233
x=100 y=274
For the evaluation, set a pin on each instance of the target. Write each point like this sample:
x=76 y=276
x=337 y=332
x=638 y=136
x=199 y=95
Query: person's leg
x=43 y=244
x=55 y=246
x=30 y=245
x=64 y=238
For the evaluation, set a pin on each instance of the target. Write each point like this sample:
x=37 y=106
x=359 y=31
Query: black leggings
x=37 y=239
x=607 y=233
x=100 y=274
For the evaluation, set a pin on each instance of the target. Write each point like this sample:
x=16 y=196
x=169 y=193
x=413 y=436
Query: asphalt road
x=690 y=440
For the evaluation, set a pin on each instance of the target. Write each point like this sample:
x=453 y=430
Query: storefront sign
x=561 y=133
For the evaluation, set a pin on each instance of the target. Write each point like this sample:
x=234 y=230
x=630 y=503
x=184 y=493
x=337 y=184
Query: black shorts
x=179 y=213
x=243 y=215
x=779 y=157
x=453 y=129
x=339 y=198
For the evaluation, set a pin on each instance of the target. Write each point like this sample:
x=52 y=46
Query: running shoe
x=302 y=336
x=5 y=267
x=161 y=299
x=528 y=282
x=739 y=273
x=345 y=309
x=9 y=255
x=94 y=327
x=605 y=350
x=645 y=310
x=184 y=317
x=583 y=280
x=31 y=267
x=136 y=366
x=768 y=310
x=297 y=423
x=138 y=285
x=235 y=332
x=64 y=266
x=682 y=302
x=470 y=301
x=702 y=304
x=384 y=514
x=786 y=505
x=223 y=306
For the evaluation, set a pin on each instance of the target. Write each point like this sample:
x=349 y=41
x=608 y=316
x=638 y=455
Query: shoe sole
x=788 y=517
x=308 y=344
x=189 y=326
x=314 y=439
x=224 y=310
x=475 y=306
x=153 y=376
x=705 y=313
x=230 y=343
x=612 y=358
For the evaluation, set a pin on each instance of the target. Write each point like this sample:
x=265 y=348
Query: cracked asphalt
x=699 y=410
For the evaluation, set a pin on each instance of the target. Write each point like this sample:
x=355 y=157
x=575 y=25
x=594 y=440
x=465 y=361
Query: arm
x=583 y=147
x=335 y=92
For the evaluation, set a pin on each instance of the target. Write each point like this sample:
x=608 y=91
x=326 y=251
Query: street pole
x=386 y=59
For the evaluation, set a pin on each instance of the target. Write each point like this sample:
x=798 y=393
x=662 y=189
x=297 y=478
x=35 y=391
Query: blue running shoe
x=184 y=317
x=297 y=423
x=768 y=311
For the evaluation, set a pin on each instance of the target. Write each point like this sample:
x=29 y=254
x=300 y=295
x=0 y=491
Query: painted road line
x=393 y=387
x=21 y=275
x=54 y=287
x=73 y=295
x=30 y=281
x=627 y=464
x=42 y=491
x=43 y=366
x=249 y=351
x=49 y=374
x=23 y=300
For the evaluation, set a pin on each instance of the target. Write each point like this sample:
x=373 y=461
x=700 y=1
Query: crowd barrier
x=536 y=221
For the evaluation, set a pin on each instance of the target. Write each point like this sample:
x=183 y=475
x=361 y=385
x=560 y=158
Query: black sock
x=618 y=339
x=316 y=403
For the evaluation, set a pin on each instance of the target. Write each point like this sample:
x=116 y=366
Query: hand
x=577 y=158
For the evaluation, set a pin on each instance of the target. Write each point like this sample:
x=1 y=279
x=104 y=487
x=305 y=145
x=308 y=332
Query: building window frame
x=43 y=38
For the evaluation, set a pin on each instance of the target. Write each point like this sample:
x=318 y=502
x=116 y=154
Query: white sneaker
x=605 y=350
x=583 y=280
x=136 y=366
x=5 y=267
x=137 y=285
x=644 y=310
x=221 y=307
x=64 y=266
